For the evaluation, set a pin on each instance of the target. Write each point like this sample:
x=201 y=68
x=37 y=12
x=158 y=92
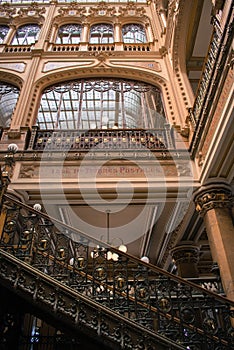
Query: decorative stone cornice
x=213 y=198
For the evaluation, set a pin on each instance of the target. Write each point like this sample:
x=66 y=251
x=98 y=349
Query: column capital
x=186 y=256
x=185 y=252
x=212 y=197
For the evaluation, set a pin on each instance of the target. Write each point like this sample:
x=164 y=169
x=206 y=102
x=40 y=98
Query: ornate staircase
x=106 y=296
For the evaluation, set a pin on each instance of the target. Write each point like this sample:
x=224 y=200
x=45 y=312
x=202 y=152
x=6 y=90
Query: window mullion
x=80 y=105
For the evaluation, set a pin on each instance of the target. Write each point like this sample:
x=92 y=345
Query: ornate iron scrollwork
x=183 y=312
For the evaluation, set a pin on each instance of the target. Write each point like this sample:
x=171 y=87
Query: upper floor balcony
x=77 y=27
x=106 y=139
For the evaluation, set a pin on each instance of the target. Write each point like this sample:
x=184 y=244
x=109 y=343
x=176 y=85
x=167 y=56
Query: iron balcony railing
x=165 y=304
x=215 y=70
x=124 y=139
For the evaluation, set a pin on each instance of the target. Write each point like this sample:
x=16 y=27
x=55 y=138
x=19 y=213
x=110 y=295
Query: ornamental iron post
x=6 y=170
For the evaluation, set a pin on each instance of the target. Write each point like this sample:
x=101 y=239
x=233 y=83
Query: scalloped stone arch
x=79 y=73
x=61 y=21
x=6 y=21
x=135 y=20
x=20 y=21
x=11 y=78
x=102 y=20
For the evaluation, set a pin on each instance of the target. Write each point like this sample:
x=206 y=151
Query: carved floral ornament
x=173 y=7
x=72 y=10
x=212 y=199
x=33 y=10
x=101 y=10
x=132 y=10
x=6 y=11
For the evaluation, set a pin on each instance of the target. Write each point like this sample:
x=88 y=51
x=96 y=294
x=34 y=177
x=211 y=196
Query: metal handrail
x=165 y=303
x=77 y=302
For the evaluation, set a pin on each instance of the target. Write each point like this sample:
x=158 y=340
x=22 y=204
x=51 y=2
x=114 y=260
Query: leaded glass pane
x=26 y=35
x=101 y=104
x=8 y=97
x=133 y=33
x=101 y=34
x=3 y=33
x=69 y=34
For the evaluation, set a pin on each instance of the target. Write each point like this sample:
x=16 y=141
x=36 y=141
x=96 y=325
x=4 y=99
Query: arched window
x=101 y=34
x=3 y=32
x=69 y=34
x=26 y=35
x=101 y=104
x=133 y=33
x=8 y=97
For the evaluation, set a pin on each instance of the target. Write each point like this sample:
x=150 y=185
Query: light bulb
x=123 y=248
x=37 y=207
x=12 y=147
x=109 y=255
x=145 y=259
x=115 y=257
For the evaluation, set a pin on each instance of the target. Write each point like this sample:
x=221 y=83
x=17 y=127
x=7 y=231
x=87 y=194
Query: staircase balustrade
x=165 y=304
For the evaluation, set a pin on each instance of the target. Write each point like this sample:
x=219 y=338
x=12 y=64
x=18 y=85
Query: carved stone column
x=214 y=204
x=85 y=33
x=117 y=33
x=186 y=257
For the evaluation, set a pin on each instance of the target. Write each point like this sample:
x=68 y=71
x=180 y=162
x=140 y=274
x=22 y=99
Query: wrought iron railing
x=207 y=76
x=102 y=139
x=214 y=72
x=92 y=322
x=159 y=301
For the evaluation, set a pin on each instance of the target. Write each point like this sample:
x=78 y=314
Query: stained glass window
x=3 y=32
x=8 y=98
x=101 y=34
x=133 y=33
x=69 y=34
x=101 y=104
x=26 y=35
